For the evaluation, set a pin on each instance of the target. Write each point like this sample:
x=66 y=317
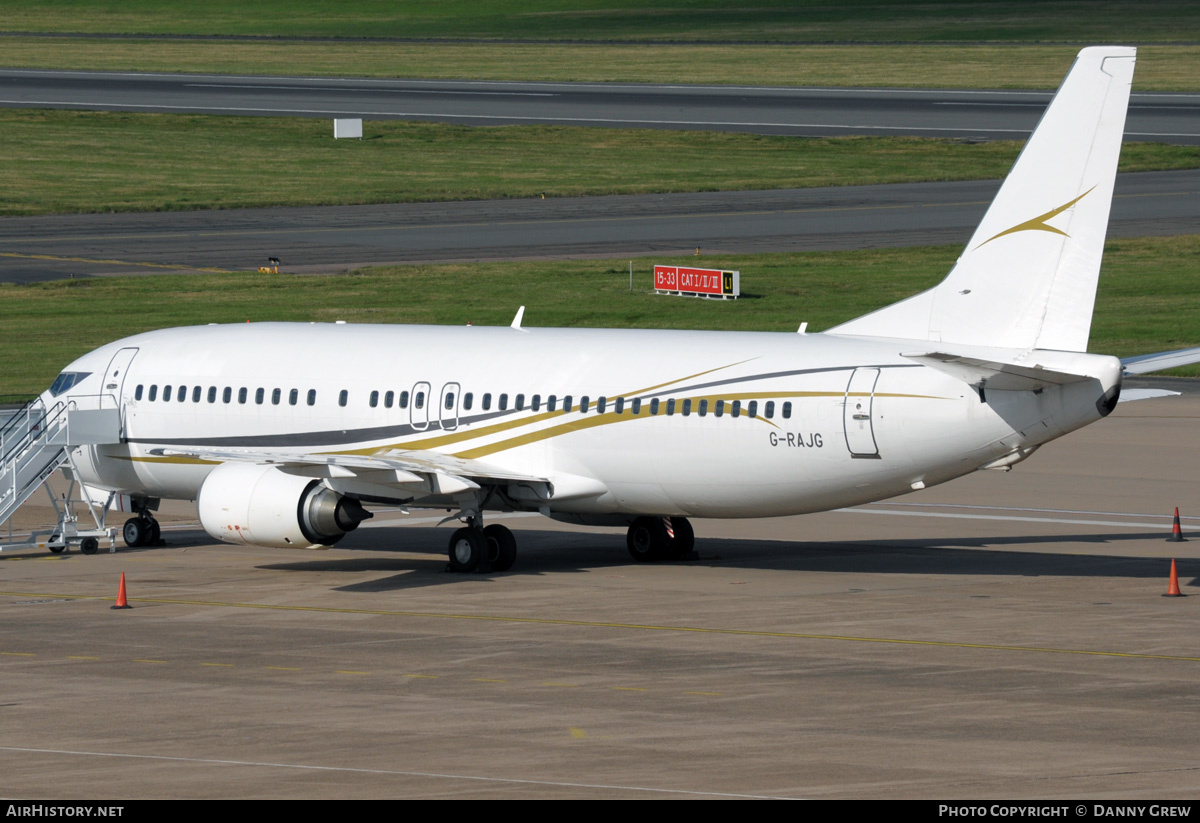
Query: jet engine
x=263 y=506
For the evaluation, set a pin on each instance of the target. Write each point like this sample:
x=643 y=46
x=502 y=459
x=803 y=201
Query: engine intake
x=259 y=505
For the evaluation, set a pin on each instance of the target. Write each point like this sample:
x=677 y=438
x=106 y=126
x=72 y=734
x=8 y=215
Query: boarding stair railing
x=35 y=443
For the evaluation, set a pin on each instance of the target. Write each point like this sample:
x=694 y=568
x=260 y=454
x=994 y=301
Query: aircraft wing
x=414 y=473
x=1146 y=363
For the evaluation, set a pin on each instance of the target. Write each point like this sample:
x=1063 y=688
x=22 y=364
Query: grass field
x=64 y=161
x=1149 y=299
x=1160 y=68
x=690 y=20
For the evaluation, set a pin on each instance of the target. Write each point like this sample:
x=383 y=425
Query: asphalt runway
x=334 y=239
x=1164 y=117
x=1004 y=635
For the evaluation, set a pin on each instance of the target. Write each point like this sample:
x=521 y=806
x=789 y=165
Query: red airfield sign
x=705 y=282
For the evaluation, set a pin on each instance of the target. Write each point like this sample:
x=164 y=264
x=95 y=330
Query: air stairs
x=36 y=442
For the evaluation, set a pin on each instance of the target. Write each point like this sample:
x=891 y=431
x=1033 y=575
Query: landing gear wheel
x=501 y=547
x=155 y=534
x=137 y=531
x=647 y=539
x=683 y=543
x=89 y=545
x=467 y=546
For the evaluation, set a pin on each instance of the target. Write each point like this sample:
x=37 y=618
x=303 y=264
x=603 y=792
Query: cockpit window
x=66 y=380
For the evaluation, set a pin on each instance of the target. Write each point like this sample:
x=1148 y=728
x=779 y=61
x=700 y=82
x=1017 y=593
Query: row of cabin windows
x=602 y=404
x=719 y=408
x=198 y=393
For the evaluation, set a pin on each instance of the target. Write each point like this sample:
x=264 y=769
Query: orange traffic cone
x=123 y=602
x=1176 y=532
x=1173 y=586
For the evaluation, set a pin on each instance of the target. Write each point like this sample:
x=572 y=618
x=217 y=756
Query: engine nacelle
x=263 y=506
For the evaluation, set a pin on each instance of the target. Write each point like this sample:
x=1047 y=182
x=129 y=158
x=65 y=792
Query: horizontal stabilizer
x=975 y=371
x=1146 y=363
x=1129 y=395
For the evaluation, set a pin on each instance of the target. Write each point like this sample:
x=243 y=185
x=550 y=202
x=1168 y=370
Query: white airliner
x=282 y=432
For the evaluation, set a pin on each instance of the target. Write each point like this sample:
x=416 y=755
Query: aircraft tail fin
x=1027 y=278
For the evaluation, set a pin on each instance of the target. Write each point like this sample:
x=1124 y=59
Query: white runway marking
x=397 y=772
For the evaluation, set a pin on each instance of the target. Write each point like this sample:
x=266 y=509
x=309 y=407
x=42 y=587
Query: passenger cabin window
x=388 y=399
x=449 y=403
x=551 y=403
x=654 y=406
x=787 y=410
x=182 y=396
x=243 y=393
x=536 y=403
x=519 y=405
x=468 y=400
x=374 y=399
x=736 y=408
x=420 y=400
x=153 y=392
x=487 y=401
x=196 y=391
x=567 y=403
x=752 y=408
x=671 y=406
x=702 y=410
x=687 y=407
x=584 y=404
x=719 y=408
x=137 y=393
x=166 y=394
x=404 y=400
x=637 y=405
x=770 y=410
x=620 y=405
x=503 y=402
x=276 y=394
x=601 y=405
x=227 y=395
x=293 y=397
x=259 y=396
x=212 y=394
x=343 y=397
x=312 y=397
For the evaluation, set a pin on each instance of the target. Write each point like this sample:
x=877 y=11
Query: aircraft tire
x=136 y=532
x=501 y=547
x=647 y=539
x=155 y=533
x=684 y=541
x=467 y=546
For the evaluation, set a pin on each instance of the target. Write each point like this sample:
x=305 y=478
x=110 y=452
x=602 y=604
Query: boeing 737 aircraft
x=284 y=433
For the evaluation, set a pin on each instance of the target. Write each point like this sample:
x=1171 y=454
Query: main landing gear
x=661 y=538
x=142 y=530
x=491 y=548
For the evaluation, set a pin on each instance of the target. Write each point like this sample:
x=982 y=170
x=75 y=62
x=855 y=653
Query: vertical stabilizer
x=1027 y=278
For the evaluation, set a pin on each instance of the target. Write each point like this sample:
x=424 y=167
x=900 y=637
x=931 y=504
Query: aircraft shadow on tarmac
x=546 y=552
